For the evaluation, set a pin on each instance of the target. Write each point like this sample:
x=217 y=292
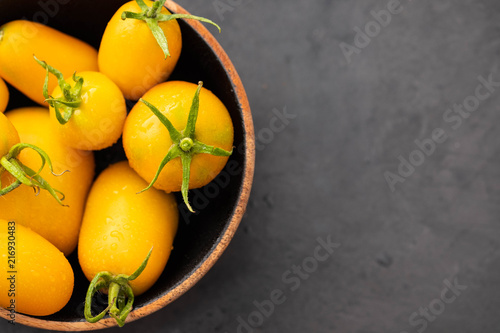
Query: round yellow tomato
x=147 y=141
x=43 y=280
x=20 y=40
x=97 y=122
x=4 y=96
x=58 y=224
x=130 y=55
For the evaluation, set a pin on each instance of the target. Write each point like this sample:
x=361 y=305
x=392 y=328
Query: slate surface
x=424 y=257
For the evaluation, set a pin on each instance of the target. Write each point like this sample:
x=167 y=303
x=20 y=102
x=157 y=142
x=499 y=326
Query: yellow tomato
x=8 y=135
x=97 y=123
x=43 y=280
x=4 y=96
x=130 y=55
x=147 y=141
x=20 y=40
x=120 y=227
x=58 y=224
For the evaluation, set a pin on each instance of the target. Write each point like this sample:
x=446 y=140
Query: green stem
x=72 y=96
x=15 y=169
x=184 y=145
x=120 y=294
x=186 y=159
x=24 y=175
x=153 y=16
x=100 y=281
x=11 y=187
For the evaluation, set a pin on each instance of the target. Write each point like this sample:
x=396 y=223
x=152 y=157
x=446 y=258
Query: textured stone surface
x=323 y=175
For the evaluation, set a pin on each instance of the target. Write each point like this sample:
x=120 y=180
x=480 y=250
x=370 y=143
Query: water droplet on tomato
x=116 y=234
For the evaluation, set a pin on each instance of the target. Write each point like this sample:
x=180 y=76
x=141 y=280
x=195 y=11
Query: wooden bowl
x=202 y=237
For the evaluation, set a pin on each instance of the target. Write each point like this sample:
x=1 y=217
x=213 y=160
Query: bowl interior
x=215 y=204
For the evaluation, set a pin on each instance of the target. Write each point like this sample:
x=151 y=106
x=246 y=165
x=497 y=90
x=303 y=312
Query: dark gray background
x=324 y=174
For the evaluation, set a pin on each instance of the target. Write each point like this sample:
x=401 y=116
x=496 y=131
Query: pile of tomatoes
x=178 y=136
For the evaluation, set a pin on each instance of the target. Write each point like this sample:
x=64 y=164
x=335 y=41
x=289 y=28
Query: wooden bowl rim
x=226 y=237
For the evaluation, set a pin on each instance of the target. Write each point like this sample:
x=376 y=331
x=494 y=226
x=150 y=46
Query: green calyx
x=120 y=294
x=65 y=106
x=24 y=175
x=184 y=145
x=152 y=16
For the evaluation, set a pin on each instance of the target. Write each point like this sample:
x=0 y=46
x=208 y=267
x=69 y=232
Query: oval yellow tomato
x=120 y=227
x=147 y=141
x=4 y=96
x=8 y=135
x=20 y=40
x=19 y=173
x=59 y=225
x=43 y=282
x=97 y=122
x=130 y=55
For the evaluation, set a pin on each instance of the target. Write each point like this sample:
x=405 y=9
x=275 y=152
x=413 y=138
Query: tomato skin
x=120 y=227
x=98 y=122
x=21 y=39
x=130 y=55
x=4 y=96
x=59 y=225
x=8 y=135
x=44 y=278
x=146 y=141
